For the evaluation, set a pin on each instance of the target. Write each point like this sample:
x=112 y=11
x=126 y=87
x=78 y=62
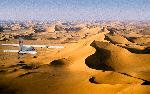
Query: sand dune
x=110 y=77
x=116 y=58
x=92 y=65
x=60 y=62
x=141 y=40
x=117 y=39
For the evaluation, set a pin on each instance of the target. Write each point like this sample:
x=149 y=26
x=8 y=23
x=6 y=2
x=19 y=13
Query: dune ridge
x=91 y=57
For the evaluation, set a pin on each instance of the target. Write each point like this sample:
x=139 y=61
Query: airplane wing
x=16 y=51
x=22 y=52
x=43 y=46
x=10 y=45
x=29 y=52
x=35 y=46
x=55 y=46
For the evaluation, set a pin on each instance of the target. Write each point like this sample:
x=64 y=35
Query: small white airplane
x=24 y=49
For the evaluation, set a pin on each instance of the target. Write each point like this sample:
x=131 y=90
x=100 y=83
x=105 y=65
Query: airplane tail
x=20 y=44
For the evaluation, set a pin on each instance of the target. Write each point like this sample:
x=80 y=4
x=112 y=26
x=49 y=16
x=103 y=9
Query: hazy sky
x=75 y=9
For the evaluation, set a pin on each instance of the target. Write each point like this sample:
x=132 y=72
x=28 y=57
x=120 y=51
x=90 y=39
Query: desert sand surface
x=94 y=60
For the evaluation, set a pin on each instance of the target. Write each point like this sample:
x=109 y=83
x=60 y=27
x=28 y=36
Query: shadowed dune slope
x=141 y=40
x=116 y=39
x=113 y=58
x=60 y=62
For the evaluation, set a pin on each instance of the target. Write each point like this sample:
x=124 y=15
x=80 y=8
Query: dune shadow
x=108 y=39
x=6 y=90
x=138 y=51
x=98 y=59
x=60 y=62
x=92 y=80
x=26 y=37
x=146 y=83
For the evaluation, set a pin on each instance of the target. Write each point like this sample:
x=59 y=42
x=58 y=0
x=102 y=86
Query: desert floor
x=102 y=63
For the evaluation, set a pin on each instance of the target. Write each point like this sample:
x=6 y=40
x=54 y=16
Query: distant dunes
x=94 y=60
